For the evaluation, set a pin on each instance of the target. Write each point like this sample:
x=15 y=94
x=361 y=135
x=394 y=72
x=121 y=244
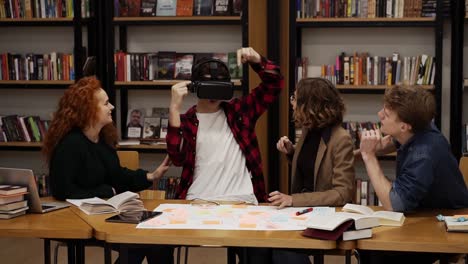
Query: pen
x=305 y=211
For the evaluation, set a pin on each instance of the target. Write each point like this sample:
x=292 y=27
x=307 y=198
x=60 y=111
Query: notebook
x=25 y=177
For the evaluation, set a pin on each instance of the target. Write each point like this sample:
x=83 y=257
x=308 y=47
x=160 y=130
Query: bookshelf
x=458 y=90
x=322 y=39
x=59 y=34
x=129 y=35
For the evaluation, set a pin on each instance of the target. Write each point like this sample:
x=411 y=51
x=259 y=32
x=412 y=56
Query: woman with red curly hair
x=83 y=163
x=80 y=148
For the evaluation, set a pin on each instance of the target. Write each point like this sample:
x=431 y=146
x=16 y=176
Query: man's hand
x=280 y=199
x=247 y=55
x=370 y=140
x=285 y=145
x=179 y=91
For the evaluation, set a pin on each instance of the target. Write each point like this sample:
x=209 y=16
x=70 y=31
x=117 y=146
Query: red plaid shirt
x=242 y=114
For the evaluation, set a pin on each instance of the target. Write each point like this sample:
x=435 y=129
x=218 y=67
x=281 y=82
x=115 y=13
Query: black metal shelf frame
x=110 y=24
x=456 y=78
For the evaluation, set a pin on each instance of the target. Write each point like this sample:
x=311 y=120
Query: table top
x=127 y=233
x=62 y=223
x=421 y=232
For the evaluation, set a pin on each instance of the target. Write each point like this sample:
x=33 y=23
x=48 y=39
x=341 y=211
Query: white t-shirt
x=220 y=167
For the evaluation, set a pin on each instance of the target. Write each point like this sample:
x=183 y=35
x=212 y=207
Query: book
x=11 y=198
x=123 y=202
x=166 y=8
x=453 y=225
x=152 y=128
x=334 y=234
x=148 y=8
x=330 y=222
x=9 y=216
x=183 y=66
x=13 y=205
x=135 y=123
x=12 y=189
x=166 y=65
x=15 y=211
x=357 y=234
x=386 y=218
x=202 y=7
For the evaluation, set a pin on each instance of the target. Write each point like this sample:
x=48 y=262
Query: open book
x=386 y=218
x=330 y=222
x=124 y=202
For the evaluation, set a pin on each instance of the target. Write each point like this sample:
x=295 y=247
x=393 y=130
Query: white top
x=220 y=167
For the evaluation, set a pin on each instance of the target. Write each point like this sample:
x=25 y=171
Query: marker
x=305 y=211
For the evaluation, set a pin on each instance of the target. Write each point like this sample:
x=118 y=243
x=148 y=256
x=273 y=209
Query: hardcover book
x=183 y=66
x=333 y=234
x=148 y=8
x=166 y=65
x=166 y=8
x=184 y=8
x=135 y=120
x=12 y=189
x=221 y=8
x=134 y=8
x=202 y=7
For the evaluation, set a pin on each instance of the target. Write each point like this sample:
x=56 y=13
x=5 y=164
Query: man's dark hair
x=210 y=69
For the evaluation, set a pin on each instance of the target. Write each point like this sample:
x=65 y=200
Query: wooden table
x=128 y=234
x=62 y=224
x=421 y=232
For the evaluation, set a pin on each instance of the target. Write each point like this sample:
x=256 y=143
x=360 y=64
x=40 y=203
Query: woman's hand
x=280 y=199
x=160 y=171
x=285 y=145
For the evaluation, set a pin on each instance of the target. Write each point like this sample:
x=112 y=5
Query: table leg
x=107 y=253
x=46 y=251
x=71 y=252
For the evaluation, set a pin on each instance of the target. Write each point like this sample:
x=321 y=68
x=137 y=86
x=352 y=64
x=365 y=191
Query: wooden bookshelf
x=36 y=82
x=159 y=83
x=150 y=148
x=359 y=19
x=178 y=18
x=21 y=144
x=59 y=21
x=374 y=87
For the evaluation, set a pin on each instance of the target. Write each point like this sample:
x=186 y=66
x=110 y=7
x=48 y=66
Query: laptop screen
x=23 y=177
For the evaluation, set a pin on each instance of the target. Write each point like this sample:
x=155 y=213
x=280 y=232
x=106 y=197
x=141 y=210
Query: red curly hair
x=77 y=109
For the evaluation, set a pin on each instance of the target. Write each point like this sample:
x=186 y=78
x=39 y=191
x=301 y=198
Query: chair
x=464 y=168
x=130 y=160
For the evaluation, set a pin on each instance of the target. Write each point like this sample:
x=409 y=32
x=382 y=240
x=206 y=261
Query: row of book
x=22 y=128
x=369 y=8
x=136 y=8
x=168 y=184
x=147 y=124
x=28 y=9
x=363 y=69
x=166 y=65
x=465 y=139
x=53 y=66
x=355 y=130
x=12 y=201
x=365 y=194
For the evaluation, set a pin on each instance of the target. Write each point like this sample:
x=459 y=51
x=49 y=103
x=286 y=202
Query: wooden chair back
x=129 y=159
x=464 y=168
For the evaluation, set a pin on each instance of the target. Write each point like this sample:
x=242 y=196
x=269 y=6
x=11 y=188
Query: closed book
x=357 y=234
x=14 y=211
x=334 y=234
x=13 y=205
x=386 y=218
x=9 y=216
x=11 y=198
x=12 y=189
x=123 y=202
x=453 y=225
x=330 y=222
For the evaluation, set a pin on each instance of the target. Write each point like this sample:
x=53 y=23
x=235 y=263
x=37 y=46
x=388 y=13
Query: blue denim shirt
x=427 y=174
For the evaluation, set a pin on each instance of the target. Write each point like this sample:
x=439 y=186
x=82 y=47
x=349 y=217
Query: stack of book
x=12 y=201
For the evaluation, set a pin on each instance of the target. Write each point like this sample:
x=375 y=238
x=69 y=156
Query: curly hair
x=318 y=104
x=77 y=109
x=413 y=105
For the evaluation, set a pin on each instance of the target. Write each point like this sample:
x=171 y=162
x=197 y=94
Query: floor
x=12 y=251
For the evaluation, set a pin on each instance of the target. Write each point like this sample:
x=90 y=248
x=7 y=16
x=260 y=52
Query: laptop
x=25 y=177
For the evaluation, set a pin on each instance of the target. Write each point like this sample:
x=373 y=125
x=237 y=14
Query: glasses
x=292 y=99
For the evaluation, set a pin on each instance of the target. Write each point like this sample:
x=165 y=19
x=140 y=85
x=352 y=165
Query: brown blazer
x=334 y=170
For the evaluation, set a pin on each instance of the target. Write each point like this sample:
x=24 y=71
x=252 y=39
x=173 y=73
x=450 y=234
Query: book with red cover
x=328 y=235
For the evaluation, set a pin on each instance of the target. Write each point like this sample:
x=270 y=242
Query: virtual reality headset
x=211 y=80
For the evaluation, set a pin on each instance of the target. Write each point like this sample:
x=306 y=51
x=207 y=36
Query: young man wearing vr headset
x=215 y=140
